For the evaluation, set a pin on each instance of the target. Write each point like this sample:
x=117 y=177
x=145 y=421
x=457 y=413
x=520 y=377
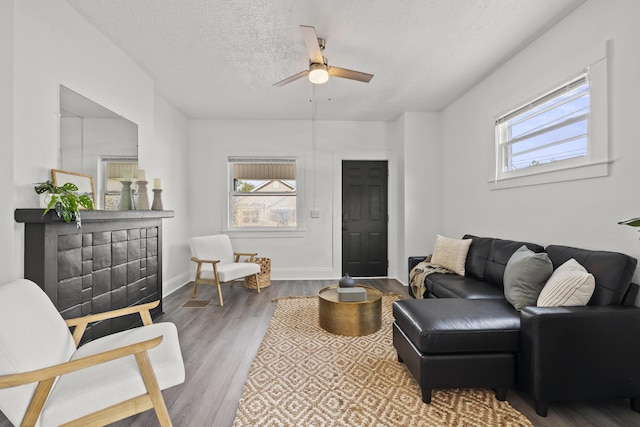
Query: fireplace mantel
x=113 y=261
x=35 y=216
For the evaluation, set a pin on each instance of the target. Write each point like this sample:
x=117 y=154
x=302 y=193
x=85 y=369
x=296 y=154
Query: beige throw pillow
x=569 y=285
x=451 y=253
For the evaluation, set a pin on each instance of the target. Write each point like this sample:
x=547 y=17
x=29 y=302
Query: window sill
x=264 y=233
x=590 y=170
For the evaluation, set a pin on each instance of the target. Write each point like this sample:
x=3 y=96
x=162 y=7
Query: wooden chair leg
x=215 y=275
x=150 y=381
x=195 y=289
x=195 y=282
x=257 y=283
x=219 y=292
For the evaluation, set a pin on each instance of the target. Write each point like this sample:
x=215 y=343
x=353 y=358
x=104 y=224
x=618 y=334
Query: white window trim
x=595 y=164
x=262 y=232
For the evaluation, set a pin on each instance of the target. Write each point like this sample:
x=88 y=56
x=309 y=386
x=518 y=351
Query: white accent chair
x=218 y=263
x=45 y=380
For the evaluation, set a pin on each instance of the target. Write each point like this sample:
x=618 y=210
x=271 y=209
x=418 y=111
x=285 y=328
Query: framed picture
x=84 y=182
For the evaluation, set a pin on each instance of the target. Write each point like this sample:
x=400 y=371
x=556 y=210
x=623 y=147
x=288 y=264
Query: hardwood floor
x=219 y=343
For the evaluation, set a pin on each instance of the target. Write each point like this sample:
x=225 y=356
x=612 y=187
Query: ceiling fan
x=319 y=70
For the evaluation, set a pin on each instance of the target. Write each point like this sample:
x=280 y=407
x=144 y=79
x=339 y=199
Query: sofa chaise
x=465 y=333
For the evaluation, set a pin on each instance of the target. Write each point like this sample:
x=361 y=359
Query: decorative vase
x=157 y=200
x=143 y=197
x=44 y=198
x=347 y=281
x=126 y=197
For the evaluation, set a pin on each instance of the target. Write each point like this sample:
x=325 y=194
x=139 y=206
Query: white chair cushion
x=33 y=336
x=89 y=390
x=212 y=247
x=232 y=271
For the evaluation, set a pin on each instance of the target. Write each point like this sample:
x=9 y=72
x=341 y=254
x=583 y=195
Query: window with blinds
x=551 y=128
x=263 y=192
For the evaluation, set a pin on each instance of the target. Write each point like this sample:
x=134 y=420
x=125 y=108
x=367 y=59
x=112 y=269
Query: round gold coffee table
x=350 y=318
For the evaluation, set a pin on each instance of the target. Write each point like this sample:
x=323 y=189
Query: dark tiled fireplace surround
x=113 y=261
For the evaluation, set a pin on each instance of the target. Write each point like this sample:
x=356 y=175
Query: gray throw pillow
x=525 y=274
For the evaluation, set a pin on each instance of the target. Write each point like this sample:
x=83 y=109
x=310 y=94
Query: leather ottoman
x=458 y=343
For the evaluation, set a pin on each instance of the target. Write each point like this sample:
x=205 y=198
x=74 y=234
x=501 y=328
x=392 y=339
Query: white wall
x=168 y=157
x=6 y=140
x=53 y=45
x=315 y=252
x=422 y=186
x=579 y=213
x=397 y=252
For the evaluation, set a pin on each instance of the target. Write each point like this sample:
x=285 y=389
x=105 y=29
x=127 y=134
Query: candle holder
x=157 y=200
x=126 y=197
x=143 y=197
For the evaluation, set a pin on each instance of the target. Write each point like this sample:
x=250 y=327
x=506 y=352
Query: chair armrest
x=200 y=261
x=14 y=380
x=580 y=352
x=247 y=254
x=81 y=323
x=46 y=377
x=113 y=313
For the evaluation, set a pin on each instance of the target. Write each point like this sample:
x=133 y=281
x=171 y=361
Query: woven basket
x=264 y=277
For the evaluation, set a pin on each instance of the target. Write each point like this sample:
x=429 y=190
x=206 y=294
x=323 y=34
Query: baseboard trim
x=183 y=279
x=175 y=283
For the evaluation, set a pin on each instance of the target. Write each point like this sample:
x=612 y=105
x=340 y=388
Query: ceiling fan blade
x=349 y=74
x=293 y=78
x=311 y=41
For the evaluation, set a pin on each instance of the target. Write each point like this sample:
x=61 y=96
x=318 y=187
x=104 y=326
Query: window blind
x=256 y=168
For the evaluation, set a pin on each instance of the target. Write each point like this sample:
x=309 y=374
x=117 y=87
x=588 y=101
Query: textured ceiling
x=220 y=58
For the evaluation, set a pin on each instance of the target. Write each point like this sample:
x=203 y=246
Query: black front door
x=364 y=218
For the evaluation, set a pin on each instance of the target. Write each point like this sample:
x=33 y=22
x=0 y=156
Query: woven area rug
x=305 y=376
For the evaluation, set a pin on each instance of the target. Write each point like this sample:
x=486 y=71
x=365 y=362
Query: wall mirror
x=92 y=138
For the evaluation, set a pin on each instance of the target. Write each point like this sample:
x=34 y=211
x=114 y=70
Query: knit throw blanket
x=420 y=272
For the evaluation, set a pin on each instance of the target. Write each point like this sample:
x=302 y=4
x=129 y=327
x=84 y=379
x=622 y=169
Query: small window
x=263 y=193
x=552 y=128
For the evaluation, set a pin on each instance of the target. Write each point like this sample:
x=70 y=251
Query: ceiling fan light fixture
x=318 y=74
x=318 y=71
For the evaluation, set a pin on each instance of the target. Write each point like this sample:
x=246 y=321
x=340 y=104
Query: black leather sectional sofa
x=466 y=334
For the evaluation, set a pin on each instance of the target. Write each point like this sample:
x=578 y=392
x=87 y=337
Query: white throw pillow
x=569 y=285
x=451 y=253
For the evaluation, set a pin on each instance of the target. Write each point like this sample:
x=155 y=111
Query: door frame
x=395 y=249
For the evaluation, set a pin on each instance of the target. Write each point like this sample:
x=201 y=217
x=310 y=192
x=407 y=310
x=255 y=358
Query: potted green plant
x=64 y=200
